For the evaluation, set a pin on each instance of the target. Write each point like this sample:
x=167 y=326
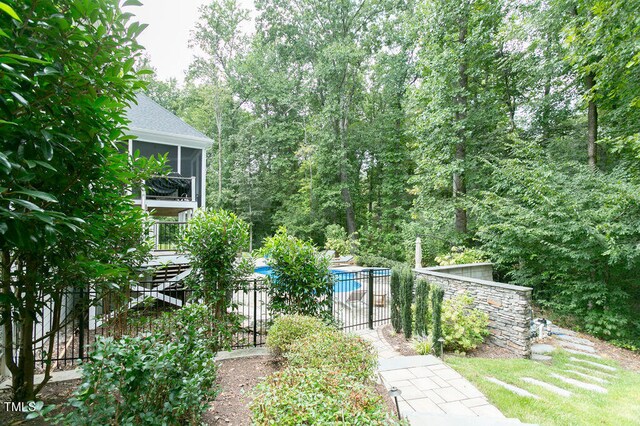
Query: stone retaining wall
x=508 y=306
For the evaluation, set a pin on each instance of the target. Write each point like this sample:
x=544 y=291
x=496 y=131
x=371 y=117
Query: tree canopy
x=501 y=125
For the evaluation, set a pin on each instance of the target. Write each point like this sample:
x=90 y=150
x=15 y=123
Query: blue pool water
x=344 y=281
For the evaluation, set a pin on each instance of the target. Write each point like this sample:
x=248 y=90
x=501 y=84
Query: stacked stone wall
x=508 y=306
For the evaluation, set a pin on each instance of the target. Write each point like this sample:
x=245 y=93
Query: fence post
x=255 y=313
x=370 y=293
x=81 y=324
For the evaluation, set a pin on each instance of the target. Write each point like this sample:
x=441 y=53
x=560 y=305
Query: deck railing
x=169 y=188
x=166 y=235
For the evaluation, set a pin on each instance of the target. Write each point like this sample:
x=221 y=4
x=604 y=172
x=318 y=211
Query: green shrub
x=463 y=327
x=366 y=259
x=215 y=334
x=336 y=239
x=406 y=295
x=422 y=316
x=301 y=282
x=288 y=329
x=437 y=294
x=214 y=239
x=308 y=396
x=396 y=301
x=461 y=256
x=423 y=345
x=147 y=380
x=333 y=350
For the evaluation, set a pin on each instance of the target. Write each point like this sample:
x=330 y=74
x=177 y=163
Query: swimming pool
x=344 y=280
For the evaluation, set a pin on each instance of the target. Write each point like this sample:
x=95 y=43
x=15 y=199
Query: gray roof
x=149 y=115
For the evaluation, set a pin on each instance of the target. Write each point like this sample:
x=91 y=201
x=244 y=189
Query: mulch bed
x=52 y=393
x=236 y=379
x=405 y=347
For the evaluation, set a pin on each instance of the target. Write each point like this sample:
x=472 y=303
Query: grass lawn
x=620 y=406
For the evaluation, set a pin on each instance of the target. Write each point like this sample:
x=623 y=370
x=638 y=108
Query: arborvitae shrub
x=437 y=294
x=422 y=307
x=396 y=302
x=406 y=293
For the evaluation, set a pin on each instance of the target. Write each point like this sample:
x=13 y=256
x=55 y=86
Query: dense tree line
x=509 y=126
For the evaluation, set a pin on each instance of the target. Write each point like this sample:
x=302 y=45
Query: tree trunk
x=23 y=381
x=344 y=179
x=592 y=122
x=459 y=187
x=219 y=128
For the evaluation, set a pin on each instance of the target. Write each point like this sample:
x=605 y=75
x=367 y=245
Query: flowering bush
x=463 y=327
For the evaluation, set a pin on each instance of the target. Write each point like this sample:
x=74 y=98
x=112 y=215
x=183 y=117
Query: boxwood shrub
x=310 y=396
x=288 y=329
x=333 y=350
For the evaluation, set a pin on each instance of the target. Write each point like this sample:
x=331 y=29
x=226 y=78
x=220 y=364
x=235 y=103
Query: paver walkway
x=432 y=392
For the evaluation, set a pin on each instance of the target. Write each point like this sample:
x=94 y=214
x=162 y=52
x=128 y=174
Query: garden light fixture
x=394 y=392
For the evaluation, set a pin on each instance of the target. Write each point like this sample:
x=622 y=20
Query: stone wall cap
x=436 y=272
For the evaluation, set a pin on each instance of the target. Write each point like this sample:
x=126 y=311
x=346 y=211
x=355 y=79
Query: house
x=170 y=199
x=160 y=132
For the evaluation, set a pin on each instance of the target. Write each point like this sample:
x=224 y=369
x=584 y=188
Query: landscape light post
x=394 y=392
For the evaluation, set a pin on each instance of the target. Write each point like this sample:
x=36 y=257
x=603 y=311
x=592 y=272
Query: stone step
x=408 y=362
x=594 y=364
x=578 y=347
x=579 y=384
x=591 y=370
x=559 y=330
x=542 y=348
x=518 y=391
x=574 y=339
x=591 y=355
x=548 y=386
x=540 y=357
x=429 y=419
x=586 y=376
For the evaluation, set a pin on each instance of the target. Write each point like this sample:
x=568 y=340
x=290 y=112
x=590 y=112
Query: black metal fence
x=361 y=299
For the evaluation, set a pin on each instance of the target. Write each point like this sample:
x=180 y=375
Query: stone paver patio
x=432 y=392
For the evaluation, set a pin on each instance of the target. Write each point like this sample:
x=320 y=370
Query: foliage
x=65 y=219
x=396 y=300
x=461 y=256
x=215 y=334
x=301 y=282
x=436 y=296
x=297 y=396
x=422 y=316
x=378 y=261
x=145 y=380
x=214 y=240
x=332 y=350
x=583 y=265
x=388 y=118
x=423 y=345
x=288 y=329
x=463 y=327
x=336 y=239
x=406 y=297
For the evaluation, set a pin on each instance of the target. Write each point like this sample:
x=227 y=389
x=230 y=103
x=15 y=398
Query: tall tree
x=219 y=36
x=457 y=99
x=68 y=74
